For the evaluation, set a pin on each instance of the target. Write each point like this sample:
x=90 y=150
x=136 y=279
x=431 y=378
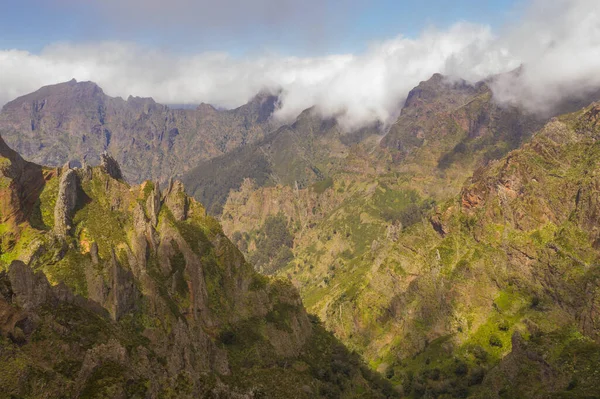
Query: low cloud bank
x=558 y=47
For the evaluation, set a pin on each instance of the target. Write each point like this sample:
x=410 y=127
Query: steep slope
x=486 y=288
x=445 y=131
x=20 y=184
x=494 y=294
x=295 y=155
x=77 y=121
x=111 y=290
x=447 y=128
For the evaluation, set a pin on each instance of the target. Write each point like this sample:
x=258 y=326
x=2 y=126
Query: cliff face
x=76 y=121
x=459 y=118
x=20 y=184
x=111 y=290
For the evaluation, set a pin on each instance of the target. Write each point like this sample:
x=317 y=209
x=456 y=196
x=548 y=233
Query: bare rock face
x=123 y=294
x=65 y=203
x=9 y=315
x=30 y=290
x=153 y=204
x=21 y=182
x=176 y=200
x=149 y=140
x=110 y=166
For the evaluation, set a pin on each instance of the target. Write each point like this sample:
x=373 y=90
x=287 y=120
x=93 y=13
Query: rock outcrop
x=21 y=183
x=176 y=200
x=66 y=202
x=128 y=297
x=124 y=295
x=110 y=166
x=153 y=204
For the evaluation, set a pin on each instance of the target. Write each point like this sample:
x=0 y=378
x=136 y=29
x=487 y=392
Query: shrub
x=461 y=369
x=476 y=376
x=503 y=325
x=495 y=341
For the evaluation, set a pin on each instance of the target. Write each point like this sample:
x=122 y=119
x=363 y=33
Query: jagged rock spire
x=153 y=204
x=176 y=200
x=110 y=166
x=66 y=202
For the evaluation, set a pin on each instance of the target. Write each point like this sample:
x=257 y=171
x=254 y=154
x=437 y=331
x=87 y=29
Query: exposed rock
x=30 y=289
x=66 y=167
x=9 y=314
x=176 y=200
x=110 y=166
x=65 y=203
x=85 y=172
x=98 y=290
x=94 y=253
x=21 y=182
x=149 y=140
x=112 y=352
x=123 y=293
x=393 y=231
x=153 y=204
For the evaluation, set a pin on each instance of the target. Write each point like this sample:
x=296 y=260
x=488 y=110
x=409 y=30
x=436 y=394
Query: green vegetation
x=431 y=275
x=175 y=290
x=273 y=245
x=320 y=186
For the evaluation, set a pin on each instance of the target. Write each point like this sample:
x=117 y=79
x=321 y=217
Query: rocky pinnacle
x=65 y=203
x=110 y=166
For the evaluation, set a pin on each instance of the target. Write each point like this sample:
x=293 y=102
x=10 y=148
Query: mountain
x=112 y=290
x=76 y=121
x=446 y=129
x=459 y=258
x=297 y=155
x=457 y=253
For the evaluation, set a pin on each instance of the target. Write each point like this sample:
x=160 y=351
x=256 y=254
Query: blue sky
x=333 y=27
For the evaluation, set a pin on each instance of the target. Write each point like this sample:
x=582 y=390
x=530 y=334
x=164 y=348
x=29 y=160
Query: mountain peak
x=205 y=107
x=65 y=93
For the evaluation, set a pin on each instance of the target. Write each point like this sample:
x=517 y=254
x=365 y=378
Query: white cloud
x=560 y=47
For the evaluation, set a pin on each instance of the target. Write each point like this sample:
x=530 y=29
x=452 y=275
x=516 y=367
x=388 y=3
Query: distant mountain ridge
x=299 y=154
x=77 y=121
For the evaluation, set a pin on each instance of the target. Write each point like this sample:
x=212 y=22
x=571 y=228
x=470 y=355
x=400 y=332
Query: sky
x=237 y=26
x=355 y=59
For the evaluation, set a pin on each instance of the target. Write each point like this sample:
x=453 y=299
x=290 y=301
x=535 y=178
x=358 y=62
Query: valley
x=454 y=252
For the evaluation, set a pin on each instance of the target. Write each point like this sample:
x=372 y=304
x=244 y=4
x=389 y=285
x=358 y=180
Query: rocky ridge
x=136 y=292
x=76 y=121
x=481 y=288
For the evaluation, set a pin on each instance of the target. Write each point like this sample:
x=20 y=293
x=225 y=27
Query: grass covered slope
x=490 y=292
x=110 y=290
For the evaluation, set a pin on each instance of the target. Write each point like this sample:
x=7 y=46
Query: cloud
x=559 y=47
x=360 y=88
x=558 y=44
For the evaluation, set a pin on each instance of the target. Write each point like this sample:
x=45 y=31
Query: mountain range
x=111 y=290
x=455 y=251
x=76 y=121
